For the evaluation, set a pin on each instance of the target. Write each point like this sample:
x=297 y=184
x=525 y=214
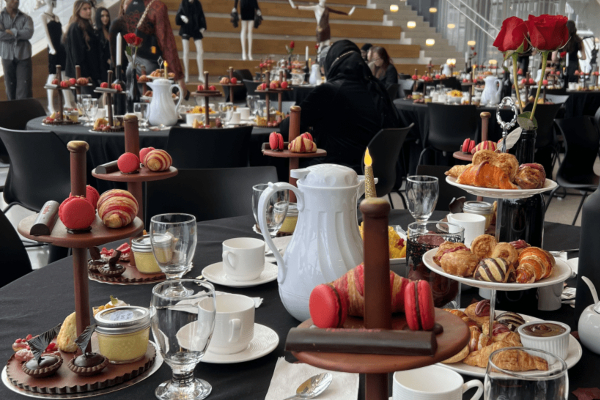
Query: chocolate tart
x=114 y=271
x=88 y=364
x=93 y=265
x=66 y=382
x=131 y=276
x=47 y=366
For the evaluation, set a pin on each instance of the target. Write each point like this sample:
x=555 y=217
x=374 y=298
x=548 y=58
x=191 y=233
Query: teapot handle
x=180 y=95
x=262 y=220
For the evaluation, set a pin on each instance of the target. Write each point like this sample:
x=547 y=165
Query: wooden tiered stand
x=485 y=125
x=109 y=97
x=61 y=100
x=79 y=243
x=230 y=85
x=207 y=94
x=268 y=92
x=77 y=76
x=378 y=315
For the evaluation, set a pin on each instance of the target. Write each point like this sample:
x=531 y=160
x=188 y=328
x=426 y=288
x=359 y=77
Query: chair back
x=207 y=193
x=250 y=87
x=557 y=98
x=209 y=148
x=597 y=118
x=244 y=73
x=446 y=191
x=392 y=91
x=384 y=149
x=14 y=114
x=39 y=168
x=582 y=141
x=14 y=255
x=544 y=115
x=450 y=125
x=406 y=87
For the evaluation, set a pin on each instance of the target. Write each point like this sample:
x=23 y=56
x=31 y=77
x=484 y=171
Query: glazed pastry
x=456 y=312
x=447 y=247
x=157 y=160
x=480 y=358
x=479 y=312
x=486 y=175
x=484 y=155
x=458 y=356
x=460 y=262
x=457 y=170
x=483 y=245
x=67 y=335
x=534 y=264
x=117 y=208
x=508 y=163
x=520 y=245
x=506 y=251
x=494 y=270
x=487 y=145
x=519 y=360
x=302 y=145
x=511 y=320
x=531 y=176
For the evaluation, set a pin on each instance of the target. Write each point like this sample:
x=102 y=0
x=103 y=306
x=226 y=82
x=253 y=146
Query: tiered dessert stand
x=109 y=92
x=77 y=85
x=207 y=94
x=268 y=92
x=61 y=107
x=378 y=315
x=230 y=85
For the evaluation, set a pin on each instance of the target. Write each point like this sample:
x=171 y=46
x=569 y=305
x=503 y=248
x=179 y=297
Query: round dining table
x=43 y=298
x=297 y=95
x=582 y=103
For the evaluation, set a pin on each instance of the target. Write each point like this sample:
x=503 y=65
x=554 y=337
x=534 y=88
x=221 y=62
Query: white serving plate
x=502 y=193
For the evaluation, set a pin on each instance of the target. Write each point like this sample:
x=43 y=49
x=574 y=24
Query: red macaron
x=92 y=195
x=128 y=163
x=144 y=152
x=327 y=308
x=76 y=213
x=418 y=306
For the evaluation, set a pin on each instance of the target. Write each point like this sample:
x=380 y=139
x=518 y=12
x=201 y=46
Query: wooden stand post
x=230 y=87
x=280 y=94
x=267 y=100
x=294 y=132
x=132 y=145
x=206 y=110
x=416 y=83
x=61 y=100
x=109 y=100
x=77 y=76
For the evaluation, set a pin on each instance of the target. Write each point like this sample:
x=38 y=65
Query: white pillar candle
x=119 y=50
x=306 y=56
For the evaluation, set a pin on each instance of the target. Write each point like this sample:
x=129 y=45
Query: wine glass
x=141 y=110
x=80 y=98
x=173 y=238
x=501 y=383
x=277 y=207
x=93 y=110
x=182 y=329
x=422 y=194
x=87 y=109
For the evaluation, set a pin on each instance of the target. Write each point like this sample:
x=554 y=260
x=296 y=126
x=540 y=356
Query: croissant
x=486 y=175
x=457 y=170
x=480 y=358
x=519 y=360
x=302 y=145
x=534 y=264
x=478 y=340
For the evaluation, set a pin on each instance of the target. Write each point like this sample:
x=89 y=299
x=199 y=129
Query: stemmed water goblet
x=422 y=194
x=141 y=110
x=80 y=107
x=182 y=326
x=277 y=206
x=90 y=107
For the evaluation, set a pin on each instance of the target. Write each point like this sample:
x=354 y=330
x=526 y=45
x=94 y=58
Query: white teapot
x=162 y=110
x=326 y=242
x=492 y=92
x=589 y=321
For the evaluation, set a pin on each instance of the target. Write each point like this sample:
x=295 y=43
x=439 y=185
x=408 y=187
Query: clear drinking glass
x=80 y=107
x=173 y=238
x=93 y=110
x=501 y=384
x=261 y=107
x=422 y=194
x=182 y=330
x=141 y=110
x=277 y=207
x=88 y=107
x=422 y=237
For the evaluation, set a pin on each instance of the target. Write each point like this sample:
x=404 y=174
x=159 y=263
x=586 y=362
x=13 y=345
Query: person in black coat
x=346 y=111
x=190 y=17
x=82 y=45
x=383 y=69
x=102 y=25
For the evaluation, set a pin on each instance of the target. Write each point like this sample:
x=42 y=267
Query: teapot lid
x=326 y=176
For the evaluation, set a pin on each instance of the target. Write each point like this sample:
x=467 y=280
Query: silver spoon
x=313 y=386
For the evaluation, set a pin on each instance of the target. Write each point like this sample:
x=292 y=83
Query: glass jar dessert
x=123 y=333
x=144 y=257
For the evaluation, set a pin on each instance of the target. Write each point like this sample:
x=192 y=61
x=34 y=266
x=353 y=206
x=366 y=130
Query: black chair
x=557 y=98
x=209 y=148
x=582 y=142
x=447 y=192
x=39 y=169
x=207 y=193
x=13 y=253
x=392 y=91
x=449 y=126
x=384 y=149
x=250 y=86
x=244 y=73
x=597 y=118
x=14 y=115
x=406 y=87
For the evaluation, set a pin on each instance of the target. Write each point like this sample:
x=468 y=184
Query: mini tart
x=117 y=270
x=98 y=363
x=50 y=364
x=94 y=265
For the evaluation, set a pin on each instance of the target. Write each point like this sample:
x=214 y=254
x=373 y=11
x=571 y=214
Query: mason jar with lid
x=123 y=333
x=480 y=208
x=144 y=258
x=163 y=251
x=291 y=218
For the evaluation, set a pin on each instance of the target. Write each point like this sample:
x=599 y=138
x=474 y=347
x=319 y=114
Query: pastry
x=117 y=208
x=494 y=270
x=483 y=245
x=456 y=312
x=511 y=320
x=302 y=145
x=480 y=358
x=479 y=312
x=534 y=264
x=96 y=261
x=478 y=340
x=483 y=155
x=520 y=245
x=487 y=145
x=457 y=170
x=144 y=152
x=158 y=160
x=76 y=213
x=519 y=360
x=447 y=247
x=508 y=163
x=530 y=176
x=418 y=306
x=99 y=123
x=24 y=355
x=507 y=252
x=486 y=175
x=67 y=335
x=143 y=79
x=458 y=356
x=460 y=262
x=87 y=364
x=128 y=163
x=112 y=268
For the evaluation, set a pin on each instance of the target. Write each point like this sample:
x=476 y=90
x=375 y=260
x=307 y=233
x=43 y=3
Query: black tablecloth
x=582 y=103
x=45 y=297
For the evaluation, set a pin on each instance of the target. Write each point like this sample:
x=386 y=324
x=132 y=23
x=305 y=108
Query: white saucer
x=214 y=273
x=265 y=340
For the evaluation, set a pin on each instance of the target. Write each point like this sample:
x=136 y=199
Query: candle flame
x=368 y=160
x=166 y=64
x=153 y=49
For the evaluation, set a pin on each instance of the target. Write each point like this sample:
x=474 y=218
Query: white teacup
x=235 y=118
x=244 y=113
x=243 y=258
x=432 y=383
x=234 y=322
x=549 y=297
x=473 y=224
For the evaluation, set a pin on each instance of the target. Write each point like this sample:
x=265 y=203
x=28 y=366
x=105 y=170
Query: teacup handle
x=471 y=384
x=236 y=330
x=226 y=259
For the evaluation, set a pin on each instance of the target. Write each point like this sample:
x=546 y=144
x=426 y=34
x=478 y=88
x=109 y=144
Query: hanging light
x=394 y=8
x=471 y=43
x=411 y=24
x=451 y=26
x=430 y=42
x=433 y=10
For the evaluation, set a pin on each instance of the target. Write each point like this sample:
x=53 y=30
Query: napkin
x=287 y=377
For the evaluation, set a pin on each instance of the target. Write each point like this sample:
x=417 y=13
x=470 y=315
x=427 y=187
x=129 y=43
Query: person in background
x=574 y=45
x=357 y=105
x=364 y=51
x=383 y=68
x=16 y=28
x=101 y=25
x=82 y=46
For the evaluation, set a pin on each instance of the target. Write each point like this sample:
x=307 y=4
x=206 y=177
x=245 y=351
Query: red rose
x=563 y=54
x=292 y=44
x=130 y=38
x=512 y=35
x=548 y=32
x=138 y=41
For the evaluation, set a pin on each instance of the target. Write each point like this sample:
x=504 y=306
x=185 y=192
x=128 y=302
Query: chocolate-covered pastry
x=96 y=261
x=112 y=268
x=494 y=270
x=42 y=366
x=511 y=320
x=531 y=176
x=87 y=364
